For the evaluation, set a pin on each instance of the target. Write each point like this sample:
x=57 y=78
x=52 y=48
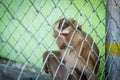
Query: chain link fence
x=26 y=33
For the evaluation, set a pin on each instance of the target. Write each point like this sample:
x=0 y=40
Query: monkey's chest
x=70 y=61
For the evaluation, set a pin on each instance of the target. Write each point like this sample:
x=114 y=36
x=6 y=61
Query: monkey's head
x=66 y=31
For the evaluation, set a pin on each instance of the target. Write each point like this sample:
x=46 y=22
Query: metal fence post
x=112 y=68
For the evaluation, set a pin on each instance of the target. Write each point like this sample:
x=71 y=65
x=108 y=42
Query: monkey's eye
x=65 y=34
x=56 y=32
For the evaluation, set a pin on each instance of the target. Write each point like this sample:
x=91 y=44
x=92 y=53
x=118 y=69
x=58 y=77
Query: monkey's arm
x=47 y=55
x=52 y=65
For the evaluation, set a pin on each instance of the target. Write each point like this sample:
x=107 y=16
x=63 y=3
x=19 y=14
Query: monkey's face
x=63 y=32
x=62 y=37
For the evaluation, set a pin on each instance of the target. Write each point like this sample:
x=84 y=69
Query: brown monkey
x=78 y=57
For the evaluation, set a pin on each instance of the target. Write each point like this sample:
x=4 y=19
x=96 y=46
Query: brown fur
x=89 y=53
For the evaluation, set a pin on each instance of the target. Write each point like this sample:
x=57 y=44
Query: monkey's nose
x=60 y=38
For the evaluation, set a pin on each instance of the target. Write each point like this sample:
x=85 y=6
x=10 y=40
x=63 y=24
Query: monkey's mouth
x=63 y=46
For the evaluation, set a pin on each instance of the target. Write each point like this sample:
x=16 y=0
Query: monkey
x=78 y=57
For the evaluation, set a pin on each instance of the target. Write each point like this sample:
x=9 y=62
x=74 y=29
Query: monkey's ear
x=79 y=28
x=77 y=25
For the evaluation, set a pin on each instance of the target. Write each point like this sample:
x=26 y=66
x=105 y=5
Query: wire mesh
x=26 y=32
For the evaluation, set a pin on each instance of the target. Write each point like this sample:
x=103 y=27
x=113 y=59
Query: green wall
x=26 y=26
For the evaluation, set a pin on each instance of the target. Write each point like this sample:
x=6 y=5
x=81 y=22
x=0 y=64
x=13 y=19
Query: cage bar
x=112 y=68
